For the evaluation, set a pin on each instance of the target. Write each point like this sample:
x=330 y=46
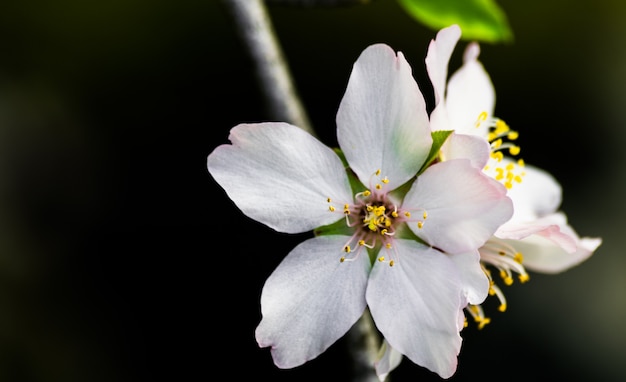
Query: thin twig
x=256 y=31
x=363 y=344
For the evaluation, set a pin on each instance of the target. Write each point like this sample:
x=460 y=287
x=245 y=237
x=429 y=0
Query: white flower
x=387 y=237
x=537 y=228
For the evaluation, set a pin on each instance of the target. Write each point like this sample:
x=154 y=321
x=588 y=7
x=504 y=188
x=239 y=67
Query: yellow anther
x=501 y=127
x=383 y=232
x=513 y=135
x=391 y=263
x=420 y=224
x=381 y=259
x=483 y=321
x=508 y=185
x=508 y=280
x=347 y=249
x=499 y=173
x=394 y=214
x=491 y=136
x=385 y=180
x=510 y=166
x=331 y=208
x=379 y=211
x=366 y=193
x=407 y=214
x=372 y=225
x=465 y=324
x=481 y=118
x=502 y=307
x=518 y=257
x=524 y=277
x=342 y=259
x=328 y=200
x=520 y=162
x=378 y=172
x=361 y=242
x=378 y=186
x=514 y=150
x=425 y=215
x=388 y=245
x=497 y=143
x=497 y=155
x=346 y=209
x=492 y=291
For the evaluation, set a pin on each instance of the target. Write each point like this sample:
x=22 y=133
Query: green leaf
x=439 y=137
x=481 y=20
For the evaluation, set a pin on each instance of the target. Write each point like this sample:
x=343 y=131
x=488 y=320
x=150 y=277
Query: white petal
x=556 y=248
x=311 y=300
x=415 y=305
x=548 y=227
x=437 y=59
x=472 y=147
x=474 y=281
x=469 y=93
x=389 y=359
x=382 y=121
x=538 y=195
x=464 y=206
x=438 y=56
x=280 y=175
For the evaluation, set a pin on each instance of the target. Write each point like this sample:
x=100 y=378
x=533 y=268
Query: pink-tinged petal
x=556 y=248
x=388 y=360
x=382 y=121
x=464 y=206
x=415 y=304
x=280 y=175
x=311 y=300
x=538 y=194
x=474 y=281
x=548 y=227
x=469 y=93
x=464 y=146
x=439 y=52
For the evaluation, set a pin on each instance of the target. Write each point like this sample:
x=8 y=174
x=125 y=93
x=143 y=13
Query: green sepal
x=439 y=138
x=355 y=183
x=337 y=228
x=481 y=20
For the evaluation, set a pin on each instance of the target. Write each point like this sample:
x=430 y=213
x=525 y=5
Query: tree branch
x=256 y=31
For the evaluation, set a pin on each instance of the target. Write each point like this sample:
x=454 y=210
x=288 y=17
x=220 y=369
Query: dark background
x=122 y=260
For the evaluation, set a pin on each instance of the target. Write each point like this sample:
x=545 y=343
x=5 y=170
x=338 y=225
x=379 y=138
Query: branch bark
x=257 y=33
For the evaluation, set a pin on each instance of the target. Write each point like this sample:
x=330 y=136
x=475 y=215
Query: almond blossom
x=395 y=233
x=537 y=237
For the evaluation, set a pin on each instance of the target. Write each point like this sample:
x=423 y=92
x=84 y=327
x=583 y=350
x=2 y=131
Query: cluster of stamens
x=506 y=260
x=375 y=218
x=501 y=138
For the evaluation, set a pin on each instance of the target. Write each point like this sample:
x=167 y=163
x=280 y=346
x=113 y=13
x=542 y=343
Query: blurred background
x=122 y=260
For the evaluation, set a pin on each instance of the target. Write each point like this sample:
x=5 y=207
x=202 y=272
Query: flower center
x=374 y=217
